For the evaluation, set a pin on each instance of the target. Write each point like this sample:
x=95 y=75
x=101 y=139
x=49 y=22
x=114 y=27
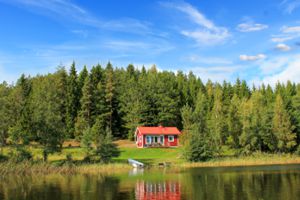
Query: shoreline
x=41 y=168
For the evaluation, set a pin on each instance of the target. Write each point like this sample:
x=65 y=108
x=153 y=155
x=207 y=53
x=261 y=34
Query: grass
x=255 y=159
x=149 y=156
x=43 y=168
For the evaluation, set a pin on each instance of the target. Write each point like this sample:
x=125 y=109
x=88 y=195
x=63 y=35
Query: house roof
x=159 y=130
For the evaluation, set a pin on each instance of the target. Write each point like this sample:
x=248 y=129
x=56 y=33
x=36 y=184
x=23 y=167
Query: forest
x=105 y=103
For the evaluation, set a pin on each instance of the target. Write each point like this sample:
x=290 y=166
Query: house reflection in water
x=167 y=190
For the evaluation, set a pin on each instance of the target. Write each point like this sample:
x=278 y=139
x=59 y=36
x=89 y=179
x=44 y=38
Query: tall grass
x=251 y=160
x=43 y=168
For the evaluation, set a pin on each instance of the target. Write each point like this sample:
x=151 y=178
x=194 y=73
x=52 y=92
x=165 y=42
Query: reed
x=251 y=160
x=43 y=168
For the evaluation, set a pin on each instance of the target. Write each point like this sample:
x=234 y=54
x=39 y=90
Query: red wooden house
x=156 y=136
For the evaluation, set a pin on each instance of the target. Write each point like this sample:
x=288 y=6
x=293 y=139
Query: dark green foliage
x=5 y=113
x=84 y=119
x=47 y=120
x=282 y=127
x=3 y=158
x=72 y=103
x=106 y=149
x=198 y=147
x=20 y=155
x=51 y=108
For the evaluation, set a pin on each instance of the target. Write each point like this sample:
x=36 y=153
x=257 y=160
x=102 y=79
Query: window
x=171 y=138
x=148 y=139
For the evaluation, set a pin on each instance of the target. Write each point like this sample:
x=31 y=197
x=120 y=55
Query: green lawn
x=147 y=155
x=150 y=155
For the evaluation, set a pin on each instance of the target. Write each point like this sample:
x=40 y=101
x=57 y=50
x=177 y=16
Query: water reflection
x=166 y=190
x=269 y=182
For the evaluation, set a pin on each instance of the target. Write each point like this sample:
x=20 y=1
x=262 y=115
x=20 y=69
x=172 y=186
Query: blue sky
x=256 y=40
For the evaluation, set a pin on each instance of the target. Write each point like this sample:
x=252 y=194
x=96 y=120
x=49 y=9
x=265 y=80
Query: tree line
x=96 y=105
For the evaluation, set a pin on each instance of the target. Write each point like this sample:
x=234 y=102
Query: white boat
x=135 y=163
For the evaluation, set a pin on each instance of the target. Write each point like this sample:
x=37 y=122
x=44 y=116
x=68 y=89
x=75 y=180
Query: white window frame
x=171 y=140
x=150 y=139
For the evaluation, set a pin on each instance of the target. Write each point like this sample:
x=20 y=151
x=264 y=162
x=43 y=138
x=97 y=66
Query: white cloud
x=252 y=58
x=281 y=38
x=290 y=5
x=287 y=33
x=217 y=73
x=250 y=27
x=207 y=60
x=283 y=47
x=290 y=70
x=139 y=47
x=290 y=29
x=273 y=65
x=207 y=33
x=65 y=9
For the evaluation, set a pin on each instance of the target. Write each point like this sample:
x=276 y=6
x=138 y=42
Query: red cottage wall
x=171 y=144
x=140 y=139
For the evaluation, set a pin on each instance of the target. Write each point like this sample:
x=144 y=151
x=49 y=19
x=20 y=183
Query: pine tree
x=5 y=122
x=109 y=94
x=106 y=149
x=21 y=131
x=47 y=120
x=234 y=122
x=282 y=127
x=80 y=81
x=296 y=112
x=72 y=101
x=84 y=119
x=217 y=125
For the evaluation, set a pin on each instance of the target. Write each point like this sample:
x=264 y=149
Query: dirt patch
x=71 y=143
x=125 y=143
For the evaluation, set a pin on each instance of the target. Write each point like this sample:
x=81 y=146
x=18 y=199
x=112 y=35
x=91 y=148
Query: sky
x=255 y=40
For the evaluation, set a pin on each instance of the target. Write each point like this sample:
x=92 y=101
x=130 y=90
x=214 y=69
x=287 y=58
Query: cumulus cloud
x=283 y=47
x=252 y=58
x=207 y=32
x=250 y=27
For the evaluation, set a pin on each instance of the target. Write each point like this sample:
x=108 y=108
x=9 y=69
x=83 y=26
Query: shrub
x=297 y=152
x=198 y=149
x=106 y=149
x=20 y=155
x=3 y=158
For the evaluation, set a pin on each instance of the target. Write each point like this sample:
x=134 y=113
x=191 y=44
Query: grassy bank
x=150 y=157
x=41 y=168
x=252 y=160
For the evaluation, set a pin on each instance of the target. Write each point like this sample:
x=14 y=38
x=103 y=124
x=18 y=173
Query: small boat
x=135 y=163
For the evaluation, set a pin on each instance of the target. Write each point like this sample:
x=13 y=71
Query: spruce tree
x=234 y=122
x=217 y=125
x=72 y=101
x=84 y=119
x=282 y=128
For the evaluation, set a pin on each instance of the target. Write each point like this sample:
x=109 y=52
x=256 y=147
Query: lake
x=260 y=182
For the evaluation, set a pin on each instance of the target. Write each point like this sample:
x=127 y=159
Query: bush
x=106 y=149
x=3 y=158
x=297 y=152
x=20 y=155
x=197 y=148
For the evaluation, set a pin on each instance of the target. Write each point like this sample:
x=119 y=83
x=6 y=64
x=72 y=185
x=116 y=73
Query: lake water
x=264 y=182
